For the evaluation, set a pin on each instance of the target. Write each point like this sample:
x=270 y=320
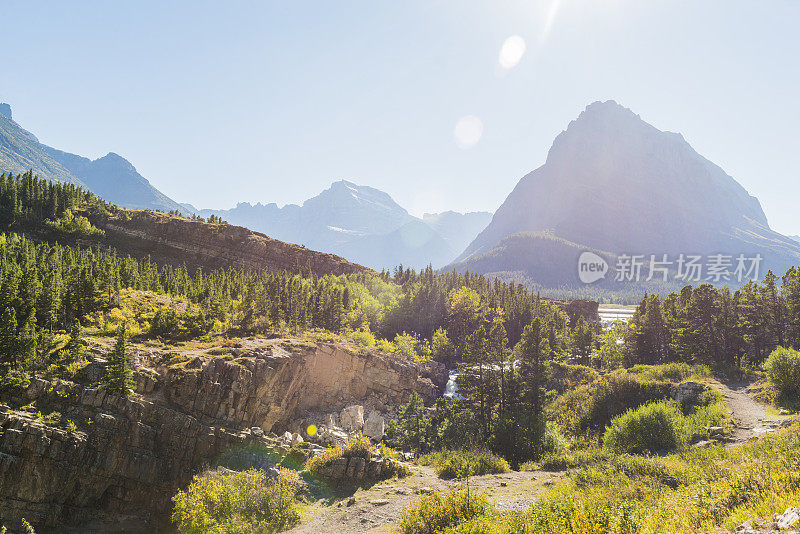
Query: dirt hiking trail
x=378 y=508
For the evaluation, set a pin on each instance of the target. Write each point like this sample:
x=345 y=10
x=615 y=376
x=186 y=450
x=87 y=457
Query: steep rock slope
x=614 y=183
x=112 y=177
x=20 y=151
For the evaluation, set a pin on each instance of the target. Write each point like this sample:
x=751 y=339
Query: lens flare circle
x=468 y=131
x=511 y=52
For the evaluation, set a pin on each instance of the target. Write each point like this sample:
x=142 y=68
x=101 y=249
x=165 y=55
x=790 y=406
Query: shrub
x=237 y=503
x=565 y=376
x=657 y=426
x=704 y=417
x=462 y=464
x=356 y=447
x=72 y=224
x=672 y=372
x=570 y=410
x=638 y=466
x=617 y=394
x=13 y=381
x=249 y=456
x=362 y=337
x=783 y=370
x=554 y=442
x=438 y=512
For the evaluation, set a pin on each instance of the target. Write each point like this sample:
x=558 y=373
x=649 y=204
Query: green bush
x=671 y=372
x=566 y=376
x=783 y=370
x=222 y=502
x=617 y=394
x=705 y=416
x=658 y=426
x=554 y=442
x=72 y=224
x=638 y=466
x=356 y=447
x=438 y=512
x=248 y=456
x=560 y=461
x=462 y=464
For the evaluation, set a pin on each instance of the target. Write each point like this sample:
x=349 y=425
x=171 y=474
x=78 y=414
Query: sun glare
x=511 y=52
x=468 y=131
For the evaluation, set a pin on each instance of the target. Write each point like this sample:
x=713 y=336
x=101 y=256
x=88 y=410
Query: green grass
x=699 y=490
x=671 y=372
x=462 y=464
x=438 y=512
x=560 y=461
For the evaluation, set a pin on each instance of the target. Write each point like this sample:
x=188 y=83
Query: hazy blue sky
x=219 y=102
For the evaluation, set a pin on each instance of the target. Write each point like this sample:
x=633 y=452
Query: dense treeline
x=709 y=325
x=26 y=199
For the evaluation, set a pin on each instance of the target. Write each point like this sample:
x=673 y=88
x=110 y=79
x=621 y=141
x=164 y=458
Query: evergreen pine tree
x=8 y=338
x=119 y=376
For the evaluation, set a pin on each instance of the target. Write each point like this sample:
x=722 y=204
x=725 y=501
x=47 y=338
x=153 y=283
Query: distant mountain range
x=612 y=184
x=360 y=223
x=795 y=237
x=364 y=225
x=616 y=185
x=111 y=177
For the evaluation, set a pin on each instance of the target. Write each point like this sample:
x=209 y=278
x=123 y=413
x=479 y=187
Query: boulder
x=688 y=392
x=790 y=519
x=374 y=426
x=337 y=469
x=352 y=418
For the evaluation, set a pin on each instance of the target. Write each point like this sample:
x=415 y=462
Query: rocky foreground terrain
x=116 y=463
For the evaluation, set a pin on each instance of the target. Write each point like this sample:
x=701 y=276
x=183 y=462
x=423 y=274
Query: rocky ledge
x=117 y=467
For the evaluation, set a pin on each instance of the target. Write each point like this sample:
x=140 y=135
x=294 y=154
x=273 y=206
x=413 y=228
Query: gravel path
x=378 y=508
x=748 y=414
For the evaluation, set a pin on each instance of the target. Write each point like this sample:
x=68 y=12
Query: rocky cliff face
x=275 y=385
x=117 y=471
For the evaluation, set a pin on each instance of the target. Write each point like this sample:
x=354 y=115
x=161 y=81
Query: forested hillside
x=68 y=214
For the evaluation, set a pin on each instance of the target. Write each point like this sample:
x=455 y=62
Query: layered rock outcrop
x=127 y=460
x=127 y=456
x=278 y=383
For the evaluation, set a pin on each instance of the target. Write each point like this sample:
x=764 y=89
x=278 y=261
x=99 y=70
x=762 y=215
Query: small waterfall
x=451 y=388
